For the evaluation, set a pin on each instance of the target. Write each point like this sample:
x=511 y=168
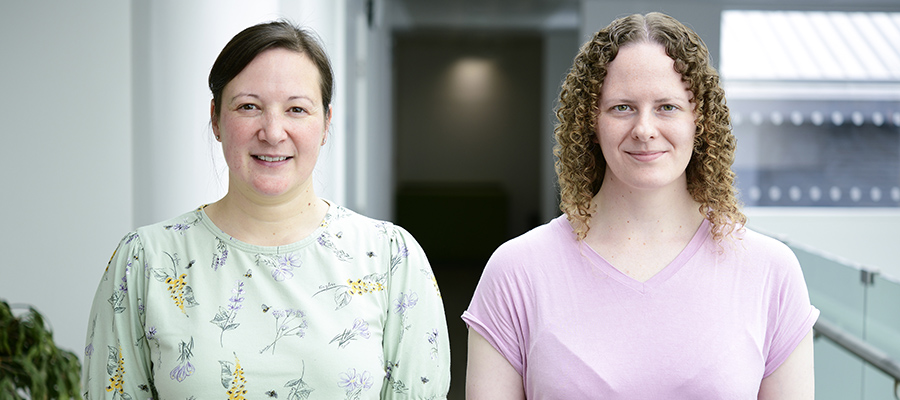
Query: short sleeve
x=117 y=361
x=498 y=308
x=790 y=316
x=416 y=345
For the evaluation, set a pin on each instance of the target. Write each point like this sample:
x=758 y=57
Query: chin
x=271 y=189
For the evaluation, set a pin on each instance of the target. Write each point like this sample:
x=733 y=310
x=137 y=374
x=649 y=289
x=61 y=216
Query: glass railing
x=860 y=314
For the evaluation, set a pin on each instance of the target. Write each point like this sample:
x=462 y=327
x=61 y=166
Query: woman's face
x=272 y=124
x=645 y=124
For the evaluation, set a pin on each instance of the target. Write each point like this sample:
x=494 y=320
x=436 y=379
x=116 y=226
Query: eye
x=621 y=108
x=248 y=106
x=668 y=107
x=297 y=110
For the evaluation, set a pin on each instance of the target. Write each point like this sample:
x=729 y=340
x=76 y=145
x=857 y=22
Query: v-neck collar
x=602 y=265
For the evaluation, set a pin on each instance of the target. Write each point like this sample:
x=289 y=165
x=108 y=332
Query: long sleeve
x=117 y=356
x=416 y=346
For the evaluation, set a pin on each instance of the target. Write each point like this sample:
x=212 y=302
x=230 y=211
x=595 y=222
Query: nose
x=272 y=129
x=645 y=128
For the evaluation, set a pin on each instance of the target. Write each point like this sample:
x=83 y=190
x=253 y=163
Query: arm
x=416 y=344
x=794 y=379
x=488 y=374
x=116 y=360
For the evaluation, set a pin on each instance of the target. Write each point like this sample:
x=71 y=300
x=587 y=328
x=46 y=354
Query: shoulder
x=342 y=221
x=541 y=240
x=760 y=255
x=176 y=225
x=547 y=244
x=763 y=247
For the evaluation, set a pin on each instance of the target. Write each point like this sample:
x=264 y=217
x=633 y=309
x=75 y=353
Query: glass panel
x=835 y=289
x=838 y=372
x=883 y=316
x=876 y=385
x=882 y=330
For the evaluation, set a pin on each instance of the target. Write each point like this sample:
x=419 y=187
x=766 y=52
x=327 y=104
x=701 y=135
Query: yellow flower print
x=116 y=368
x=176 y=288
x=181 y=293
x=344 y=293
x=237 y=390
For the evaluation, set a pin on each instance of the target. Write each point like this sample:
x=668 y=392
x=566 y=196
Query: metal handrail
x=861 y=349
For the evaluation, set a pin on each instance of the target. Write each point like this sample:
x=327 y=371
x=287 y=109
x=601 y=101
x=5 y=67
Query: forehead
x=643 y=68
x=278 y=70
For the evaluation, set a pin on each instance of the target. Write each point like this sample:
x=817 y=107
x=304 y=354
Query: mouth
x=645 y=155
x=271 y=159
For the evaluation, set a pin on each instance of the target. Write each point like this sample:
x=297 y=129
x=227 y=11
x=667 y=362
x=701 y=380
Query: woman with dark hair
x=270 y=291
x=649 y=286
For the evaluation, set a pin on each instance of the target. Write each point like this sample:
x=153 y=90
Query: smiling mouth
x=645 y=155
x=271 y=159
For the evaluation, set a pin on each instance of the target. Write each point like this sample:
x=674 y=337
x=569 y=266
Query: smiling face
x=645 y=124
x=271 y=124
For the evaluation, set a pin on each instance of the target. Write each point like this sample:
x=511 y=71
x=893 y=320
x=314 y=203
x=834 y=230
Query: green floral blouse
x=184 y=311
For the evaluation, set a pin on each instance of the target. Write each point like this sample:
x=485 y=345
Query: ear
x=327 y=125
x=213 y=120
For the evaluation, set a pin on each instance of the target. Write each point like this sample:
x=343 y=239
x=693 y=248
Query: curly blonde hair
x=580 y=164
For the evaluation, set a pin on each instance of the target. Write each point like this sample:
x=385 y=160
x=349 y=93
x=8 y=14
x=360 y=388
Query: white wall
x=105 y=114
x=65 y=156
x=869 y=237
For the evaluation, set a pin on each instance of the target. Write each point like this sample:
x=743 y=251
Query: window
x=815 y=103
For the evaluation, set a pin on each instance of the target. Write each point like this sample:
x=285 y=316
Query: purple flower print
x=220 y=255
x=224 y=319
x=282 y=265
x=360 y=328
x=401 y=306
x=405 y=302
x=184 y=368
x=432 y=338
x=288 y=322
x=234 y=302
x=355 y=383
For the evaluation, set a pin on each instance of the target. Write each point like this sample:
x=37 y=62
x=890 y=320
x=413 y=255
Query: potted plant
x=31 y=366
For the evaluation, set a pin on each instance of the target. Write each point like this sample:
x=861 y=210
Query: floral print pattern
x=224 y=319
x=116 y=370
x=360 y=329
x=355 y=383
x=347 y=297
x=288 y=322
x=282 y=265
x=233 y=379
x=180 y=292
x=184 y=368
x=344 y=293
x=402 y=305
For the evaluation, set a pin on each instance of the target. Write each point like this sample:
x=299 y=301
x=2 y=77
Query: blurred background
x=443 y=122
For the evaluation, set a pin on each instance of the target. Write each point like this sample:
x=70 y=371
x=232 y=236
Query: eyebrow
x=628 y=100
x=255 y=96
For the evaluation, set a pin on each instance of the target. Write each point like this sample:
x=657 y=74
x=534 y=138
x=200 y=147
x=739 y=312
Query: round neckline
x=290 y=247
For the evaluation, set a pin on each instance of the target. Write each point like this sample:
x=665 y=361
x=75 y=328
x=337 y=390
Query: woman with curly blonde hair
x=632 y=292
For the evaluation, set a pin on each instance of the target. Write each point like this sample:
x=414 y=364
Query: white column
x=329 y=20
x=177 y=164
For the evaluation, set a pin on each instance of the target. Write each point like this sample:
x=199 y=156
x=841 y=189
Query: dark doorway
x=467 y=112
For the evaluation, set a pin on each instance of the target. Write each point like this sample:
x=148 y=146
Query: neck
x=268 y=221
x=658 y=213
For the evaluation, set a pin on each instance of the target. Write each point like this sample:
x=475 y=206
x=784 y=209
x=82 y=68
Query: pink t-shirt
x=711 y=325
